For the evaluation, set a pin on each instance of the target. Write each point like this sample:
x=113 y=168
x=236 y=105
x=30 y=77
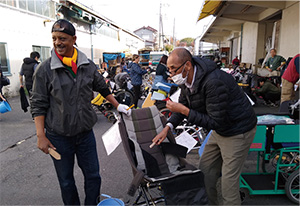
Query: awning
x=210 y=7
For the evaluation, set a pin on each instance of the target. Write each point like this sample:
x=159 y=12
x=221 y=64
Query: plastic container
x=4 y=107
x=111 y=201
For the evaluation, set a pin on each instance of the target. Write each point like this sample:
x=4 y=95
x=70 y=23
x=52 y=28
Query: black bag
x=23 y=99
x=5 y=81
x=185 y=190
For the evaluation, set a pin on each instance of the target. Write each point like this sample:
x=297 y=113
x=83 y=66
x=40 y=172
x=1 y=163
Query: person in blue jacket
x=136 y=74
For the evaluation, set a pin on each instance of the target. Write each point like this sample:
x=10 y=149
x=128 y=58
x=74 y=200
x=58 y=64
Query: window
x=108 y=31
x=22 y=4
x=146 y=37
x=9 y=2
x=4 y=58
x=44 y=52
x=42 y=7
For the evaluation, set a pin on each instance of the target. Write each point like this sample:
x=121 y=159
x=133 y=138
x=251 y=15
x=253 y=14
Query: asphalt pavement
x=28 y=177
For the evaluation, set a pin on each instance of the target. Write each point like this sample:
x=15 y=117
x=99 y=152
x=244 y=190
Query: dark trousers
x=137 y=94
x=270 y=97
x=29 y=89
x=84 y=147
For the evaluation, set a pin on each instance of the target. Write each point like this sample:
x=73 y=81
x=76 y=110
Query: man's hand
x=124 y=109
x=21 y=86
x=161 y=136
x=278 y=68
x=177 y=107
x=44 y=144
x=270 y=70
x=253 y=89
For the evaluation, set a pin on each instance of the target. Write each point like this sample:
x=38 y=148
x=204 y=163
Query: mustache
x=59 y=46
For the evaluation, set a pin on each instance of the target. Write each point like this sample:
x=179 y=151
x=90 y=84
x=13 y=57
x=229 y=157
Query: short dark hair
x=34 y=54
x=261 y=80
x=163 y=59
x=273 y=50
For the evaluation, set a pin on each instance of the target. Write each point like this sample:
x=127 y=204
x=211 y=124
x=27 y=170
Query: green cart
x=276 y=145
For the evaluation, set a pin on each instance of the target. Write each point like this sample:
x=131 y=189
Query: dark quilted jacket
x=216 y=103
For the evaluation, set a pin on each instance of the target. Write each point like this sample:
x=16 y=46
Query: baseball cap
x=64 y=26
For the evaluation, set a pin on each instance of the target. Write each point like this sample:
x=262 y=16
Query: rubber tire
x=120 y=98
x=166 y=112
x=288 y=185
x=242 y=196
x=270 y=167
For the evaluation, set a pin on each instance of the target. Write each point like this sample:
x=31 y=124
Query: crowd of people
x=61 y=88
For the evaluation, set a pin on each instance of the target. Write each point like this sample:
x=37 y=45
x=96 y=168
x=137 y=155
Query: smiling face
x=63 y=43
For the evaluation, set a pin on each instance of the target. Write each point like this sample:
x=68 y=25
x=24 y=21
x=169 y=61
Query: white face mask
x=178 y=78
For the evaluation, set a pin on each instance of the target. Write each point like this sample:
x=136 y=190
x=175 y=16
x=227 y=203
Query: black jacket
x=216 y=103
x=27 y=70
x=65 y=101
x=161 y=69
x=23 y=99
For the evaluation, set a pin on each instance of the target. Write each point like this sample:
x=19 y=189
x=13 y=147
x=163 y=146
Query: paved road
x=28 y=178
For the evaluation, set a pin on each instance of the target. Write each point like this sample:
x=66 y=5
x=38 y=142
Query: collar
x=56 y=63
x=191 y=85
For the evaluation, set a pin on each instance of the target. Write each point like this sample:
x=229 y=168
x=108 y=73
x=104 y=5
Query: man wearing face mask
x=210 y=98
x=62 y=90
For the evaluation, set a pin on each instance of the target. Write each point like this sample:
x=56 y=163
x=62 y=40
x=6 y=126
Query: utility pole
x=159 y=28
x=174 y=42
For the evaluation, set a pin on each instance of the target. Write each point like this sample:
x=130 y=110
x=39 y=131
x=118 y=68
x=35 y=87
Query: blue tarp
x=107 y=57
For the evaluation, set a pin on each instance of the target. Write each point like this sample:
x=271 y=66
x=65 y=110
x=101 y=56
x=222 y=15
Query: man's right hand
x=161 y=136
x=270 y=70
x=44 y=144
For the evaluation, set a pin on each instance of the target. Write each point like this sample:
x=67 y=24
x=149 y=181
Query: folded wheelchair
x=162 y=167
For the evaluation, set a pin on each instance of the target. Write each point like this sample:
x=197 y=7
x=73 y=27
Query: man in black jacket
x=28 y=67
x=61 y=103
x=210 y=98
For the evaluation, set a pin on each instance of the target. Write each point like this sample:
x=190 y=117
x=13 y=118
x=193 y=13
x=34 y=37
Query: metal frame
x=283 y=169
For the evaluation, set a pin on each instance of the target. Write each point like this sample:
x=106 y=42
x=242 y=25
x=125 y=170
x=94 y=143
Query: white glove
x=124 y=109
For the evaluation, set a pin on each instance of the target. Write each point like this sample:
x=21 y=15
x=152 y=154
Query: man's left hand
x=177 y=107
x=124 y=109
x=278 y=69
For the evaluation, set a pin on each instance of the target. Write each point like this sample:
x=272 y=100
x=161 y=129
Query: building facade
x=252 y=28
x=28 y=28
x=149 y=34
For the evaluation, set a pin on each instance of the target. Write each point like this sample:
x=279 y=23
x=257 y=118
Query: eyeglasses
x=179 y=67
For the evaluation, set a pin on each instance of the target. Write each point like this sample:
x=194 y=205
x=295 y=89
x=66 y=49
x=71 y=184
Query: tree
x=188 y=40
x=169 y=47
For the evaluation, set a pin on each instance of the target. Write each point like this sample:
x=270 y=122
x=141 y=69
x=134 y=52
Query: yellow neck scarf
x=70 y=61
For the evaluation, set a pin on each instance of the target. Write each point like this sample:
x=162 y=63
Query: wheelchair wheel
x=271 y=166
x=166 y=112
x=292 y=187
x=124 y=97
x=242 y=196
x=111 y=118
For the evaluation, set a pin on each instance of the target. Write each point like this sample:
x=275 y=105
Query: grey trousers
x=225 y=156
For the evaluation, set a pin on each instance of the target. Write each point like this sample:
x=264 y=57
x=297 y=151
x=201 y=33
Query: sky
x=134 y=14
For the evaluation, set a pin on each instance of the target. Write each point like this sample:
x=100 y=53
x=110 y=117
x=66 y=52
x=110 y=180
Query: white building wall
x=249 y=43
x=289 y=32
x=20 y=30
